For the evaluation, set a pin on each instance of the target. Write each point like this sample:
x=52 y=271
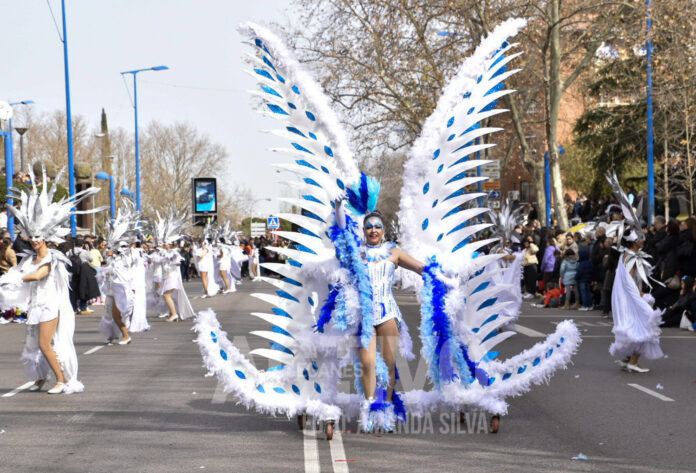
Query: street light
x=649 y=111
x=137 y=146
x=128 y=193
x=21 y=131
x=104 y=176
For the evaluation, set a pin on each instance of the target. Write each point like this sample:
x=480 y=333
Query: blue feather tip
x=363 y=195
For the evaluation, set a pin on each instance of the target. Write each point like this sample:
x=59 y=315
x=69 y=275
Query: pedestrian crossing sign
x=273 y=223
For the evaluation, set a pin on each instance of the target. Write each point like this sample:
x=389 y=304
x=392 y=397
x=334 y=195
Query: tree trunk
x=537 y=173
x=553 y=105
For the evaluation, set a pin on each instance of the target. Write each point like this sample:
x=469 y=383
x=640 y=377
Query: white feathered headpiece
x=505 y=221
x=169 y=228
x=124 y=229
x=630 y=219
x=38 y=217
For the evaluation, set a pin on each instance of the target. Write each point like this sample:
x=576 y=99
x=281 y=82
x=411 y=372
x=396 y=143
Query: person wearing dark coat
x=686 y=251
x=583 y=277
x=673 y=315
x=667 y=264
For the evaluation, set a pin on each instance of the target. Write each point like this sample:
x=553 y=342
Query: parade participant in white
x=636 y=323
x=205 y=262
x=117 y=278
x=39 y=285
x=169 y=230
x=329 y=297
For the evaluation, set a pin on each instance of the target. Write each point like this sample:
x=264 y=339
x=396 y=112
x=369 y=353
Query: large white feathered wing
x=306 y=372
x=463 y=319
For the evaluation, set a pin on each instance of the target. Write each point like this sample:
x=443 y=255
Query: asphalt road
x=147 y=407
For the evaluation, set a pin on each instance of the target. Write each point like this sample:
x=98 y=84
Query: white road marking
x=19 y=389
x=338 y=454
x=651 y=392
x=528 y=331
x=93 y=349
x=311 y=449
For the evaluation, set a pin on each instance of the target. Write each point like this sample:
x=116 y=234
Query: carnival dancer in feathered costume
x=507 y=271
x=205 y=262
x=636 y=323
x=39 y=285
x=225 y=266
x=117 y=278
x=334 y=297
x=169 y=229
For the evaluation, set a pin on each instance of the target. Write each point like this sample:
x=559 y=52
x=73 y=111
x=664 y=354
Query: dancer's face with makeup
x=374 y=231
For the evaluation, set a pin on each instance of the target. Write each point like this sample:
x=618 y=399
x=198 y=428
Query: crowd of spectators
x=576 y=270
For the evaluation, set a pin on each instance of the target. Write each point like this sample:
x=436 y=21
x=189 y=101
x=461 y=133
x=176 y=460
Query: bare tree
x=170 y=156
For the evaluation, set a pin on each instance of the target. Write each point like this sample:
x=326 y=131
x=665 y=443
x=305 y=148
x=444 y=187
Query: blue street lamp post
x=104 y=176
x=650 y=149
x=127 y=193
x=137 y=146
x=547 y=184
x=8 y=176
x=9 y=163
x=68 y=115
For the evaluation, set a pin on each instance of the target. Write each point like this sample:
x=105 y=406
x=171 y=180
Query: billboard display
x=204 y=195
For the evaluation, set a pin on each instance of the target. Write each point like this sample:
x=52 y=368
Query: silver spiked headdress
x=38 y=217
x=169 y=228
x=631 y=222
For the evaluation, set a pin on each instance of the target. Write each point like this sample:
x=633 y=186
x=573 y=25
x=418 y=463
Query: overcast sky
x=197 y=39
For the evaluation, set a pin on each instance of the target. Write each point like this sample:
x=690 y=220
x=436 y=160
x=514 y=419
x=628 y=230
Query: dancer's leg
x=46 y=332
x=388 y=334
x=118 y=320
x=368 y=363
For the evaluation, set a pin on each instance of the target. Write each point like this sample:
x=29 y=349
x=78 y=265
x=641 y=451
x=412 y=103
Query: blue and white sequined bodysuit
x=381 y=272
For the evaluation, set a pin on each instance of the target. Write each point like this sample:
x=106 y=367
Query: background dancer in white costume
x=117 y=278
x=40 y=286
x=206 y=263
x=636 y=323
x=169 y=229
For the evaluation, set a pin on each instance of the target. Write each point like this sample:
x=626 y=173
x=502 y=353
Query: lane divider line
x=93 y=349
x=19 y=389
x=651 y=392
x=338 y=453
x=311 y=449
x=528 y=331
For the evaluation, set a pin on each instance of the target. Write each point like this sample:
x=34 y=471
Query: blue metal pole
x=112 y=206
x=650 y=133
x=8 y=177
x=137 y=146
x=68 y=113
x=547 y=186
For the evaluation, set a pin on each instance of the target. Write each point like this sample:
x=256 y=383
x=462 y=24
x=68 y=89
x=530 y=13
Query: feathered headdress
x=169 y=228
x=124 y=229
x=505 y=221
x=634 y=232
x=363 y=195
x=38 y=217
x=211 y=231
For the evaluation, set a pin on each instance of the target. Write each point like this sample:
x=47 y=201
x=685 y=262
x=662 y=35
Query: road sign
x=494 y=195
x=258 y=229
x=493 y=175
x=273 y=223
x=494 y=204
x=491 y=185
